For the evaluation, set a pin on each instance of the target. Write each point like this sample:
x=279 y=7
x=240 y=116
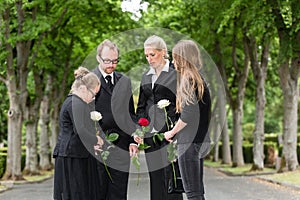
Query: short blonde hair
x=109 y=44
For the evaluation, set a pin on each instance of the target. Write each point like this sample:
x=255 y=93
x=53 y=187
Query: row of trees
x=43 y=41
x=243 y=35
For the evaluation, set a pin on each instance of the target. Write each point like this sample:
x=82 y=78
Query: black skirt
x=76 y=179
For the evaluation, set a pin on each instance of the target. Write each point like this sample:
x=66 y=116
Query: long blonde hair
x=84 y=77
x=187 y=61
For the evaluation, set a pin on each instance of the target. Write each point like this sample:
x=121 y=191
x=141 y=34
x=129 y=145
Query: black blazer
x=77 y=133
x=117 y=108
x=164 y=88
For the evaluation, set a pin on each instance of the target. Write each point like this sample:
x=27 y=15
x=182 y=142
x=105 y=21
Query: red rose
x=143 y=122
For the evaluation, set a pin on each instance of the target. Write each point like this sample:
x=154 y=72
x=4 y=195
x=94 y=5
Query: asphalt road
x=218 y=186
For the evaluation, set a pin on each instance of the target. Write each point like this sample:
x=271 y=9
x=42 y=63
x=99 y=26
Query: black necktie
x=109 y=83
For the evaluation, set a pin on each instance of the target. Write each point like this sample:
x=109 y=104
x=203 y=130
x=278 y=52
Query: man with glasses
x=114 y=101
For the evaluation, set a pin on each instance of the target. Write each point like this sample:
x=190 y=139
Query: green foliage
x=2 y=163
x=3 y=113
x=271 y=137
x=248 y=129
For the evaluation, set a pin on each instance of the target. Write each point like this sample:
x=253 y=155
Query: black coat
x=77 y=133
x=117 y=108
x=164 y=88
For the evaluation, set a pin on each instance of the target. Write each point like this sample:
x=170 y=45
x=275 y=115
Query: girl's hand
x=169 y=135
x=138 y=139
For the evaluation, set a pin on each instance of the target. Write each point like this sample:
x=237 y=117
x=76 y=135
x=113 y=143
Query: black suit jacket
x=117 y=108
x=164 y=88
x=77 y=133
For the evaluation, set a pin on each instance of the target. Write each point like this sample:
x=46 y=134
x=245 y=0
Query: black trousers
x=118 y=166
x=159 y=171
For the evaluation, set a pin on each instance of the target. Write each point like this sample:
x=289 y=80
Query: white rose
x=96 y=116
x=163 y=103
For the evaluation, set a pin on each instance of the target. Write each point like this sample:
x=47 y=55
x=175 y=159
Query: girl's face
x=177 y=67
x=91 y=93
x=154 y=57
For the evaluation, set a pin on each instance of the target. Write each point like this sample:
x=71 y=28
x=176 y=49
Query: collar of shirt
x=154 y=76
x=105 y=74
x=165 y=68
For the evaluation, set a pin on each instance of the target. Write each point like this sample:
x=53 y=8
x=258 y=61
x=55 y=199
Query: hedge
x=3 y=162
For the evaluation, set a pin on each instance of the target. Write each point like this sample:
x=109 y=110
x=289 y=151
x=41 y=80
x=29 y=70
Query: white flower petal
x=96 y=116
x=163 y=103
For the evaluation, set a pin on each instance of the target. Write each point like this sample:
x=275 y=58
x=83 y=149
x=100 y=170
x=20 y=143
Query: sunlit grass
x=2 y=187
x=241 y=170
x=286 y=177
x=292 y=178
x=44 y=175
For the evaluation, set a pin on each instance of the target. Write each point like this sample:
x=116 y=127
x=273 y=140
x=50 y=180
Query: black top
x=197 y=117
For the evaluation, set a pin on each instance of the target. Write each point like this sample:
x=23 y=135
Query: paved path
x=218 y=187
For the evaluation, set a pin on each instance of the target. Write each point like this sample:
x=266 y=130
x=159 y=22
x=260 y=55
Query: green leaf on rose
x=143 y=146
x=112 y=137
x=136 y=162
x=160 y=136
x=104 y=155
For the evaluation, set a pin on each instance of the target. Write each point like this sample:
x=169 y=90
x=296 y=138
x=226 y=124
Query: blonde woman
x=194 y=104
x=75 y=174
x=158 y=83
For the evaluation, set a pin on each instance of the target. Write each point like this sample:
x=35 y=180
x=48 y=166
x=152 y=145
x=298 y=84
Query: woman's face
x=154 y=57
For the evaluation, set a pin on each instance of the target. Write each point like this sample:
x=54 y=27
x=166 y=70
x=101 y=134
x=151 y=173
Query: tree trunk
x=259 y=69
x=31 y=164
x=289 y=71
x=237 y=105
x=258 y=133
x=54 y=127
x=216 y=129
x=290 y=116
x=238 y=158
x=14 y=151
x=226 y=152
x=45 y=163
x=15 y=115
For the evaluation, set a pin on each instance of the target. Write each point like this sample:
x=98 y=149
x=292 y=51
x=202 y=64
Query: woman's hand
x=138 y=139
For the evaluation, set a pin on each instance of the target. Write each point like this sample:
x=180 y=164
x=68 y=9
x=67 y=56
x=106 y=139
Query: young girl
x=75 y=175
x=194 y=104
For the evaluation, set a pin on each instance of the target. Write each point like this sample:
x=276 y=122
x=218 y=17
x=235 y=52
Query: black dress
x=75 y=175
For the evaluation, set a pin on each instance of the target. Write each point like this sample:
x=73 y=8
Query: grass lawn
x=292 y=178
x=35 y=178
x=243 y=170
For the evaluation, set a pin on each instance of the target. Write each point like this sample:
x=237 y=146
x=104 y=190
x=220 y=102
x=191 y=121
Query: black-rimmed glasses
x=108 y=61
